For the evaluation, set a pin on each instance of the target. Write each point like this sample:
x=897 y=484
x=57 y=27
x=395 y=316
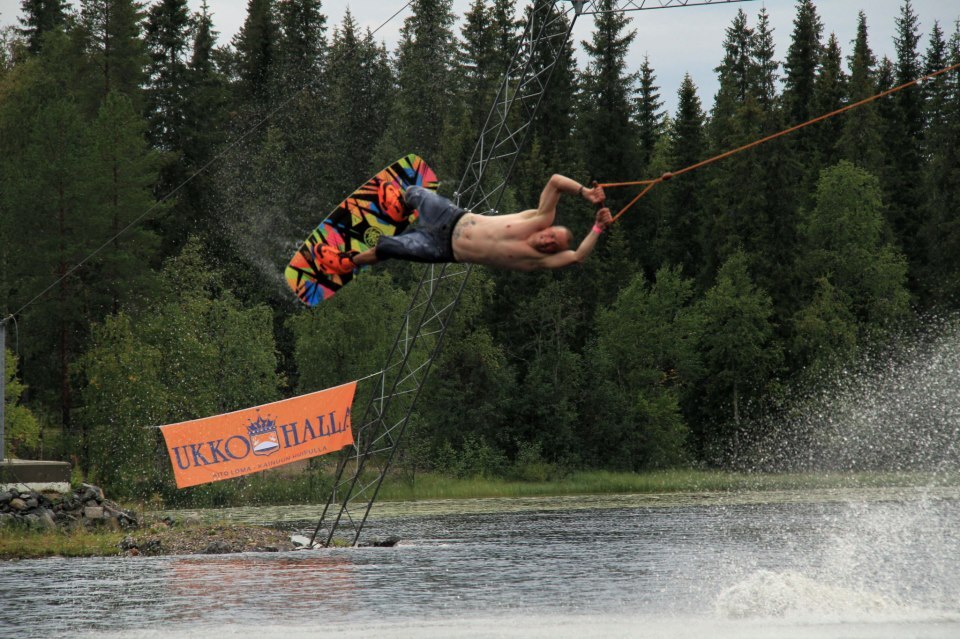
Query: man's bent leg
x=430 y=205
x=414 y=246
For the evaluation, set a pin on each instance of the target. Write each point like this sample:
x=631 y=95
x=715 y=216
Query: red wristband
x=598 y=229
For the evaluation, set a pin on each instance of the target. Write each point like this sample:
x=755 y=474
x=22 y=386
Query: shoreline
x=257 y=528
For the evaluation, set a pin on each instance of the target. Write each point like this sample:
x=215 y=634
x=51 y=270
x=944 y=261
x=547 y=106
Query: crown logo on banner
x=264 y=438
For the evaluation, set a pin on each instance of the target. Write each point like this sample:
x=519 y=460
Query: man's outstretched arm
x=558 y=184
x=566 y=258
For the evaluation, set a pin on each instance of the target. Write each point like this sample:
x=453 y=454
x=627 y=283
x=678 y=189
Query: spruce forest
x=154 y=183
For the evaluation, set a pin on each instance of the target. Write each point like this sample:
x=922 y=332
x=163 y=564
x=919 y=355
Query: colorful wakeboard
x=357 y=224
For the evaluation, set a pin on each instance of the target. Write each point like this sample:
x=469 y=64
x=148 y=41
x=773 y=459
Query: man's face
x=552 y=240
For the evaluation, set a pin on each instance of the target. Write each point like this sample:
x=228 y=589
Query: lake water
x=845 y=564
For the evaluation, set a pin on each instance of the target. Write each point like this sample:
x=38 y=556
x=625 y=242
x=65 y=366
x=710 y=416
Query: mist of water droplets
x=898 y=410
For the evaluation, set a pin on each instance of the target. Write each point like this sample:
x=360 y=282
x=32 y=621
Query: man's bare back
x=499 y=241
x=522 y=241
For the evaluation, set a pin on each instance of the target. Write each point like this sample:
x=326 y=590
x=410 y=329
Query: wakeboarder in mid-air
x=522 y=241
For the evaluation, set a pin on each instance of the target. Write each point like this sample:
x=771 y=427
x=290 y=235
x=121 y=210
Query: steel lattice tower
x=424 y=324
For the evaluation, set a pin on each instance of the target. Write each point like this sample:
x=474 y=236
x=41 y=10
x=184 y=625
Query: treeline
x=154 y=185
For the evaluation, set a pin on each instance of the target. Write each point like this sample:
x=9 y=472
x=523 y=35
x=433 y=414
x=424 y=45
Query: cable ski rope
x=649 y=184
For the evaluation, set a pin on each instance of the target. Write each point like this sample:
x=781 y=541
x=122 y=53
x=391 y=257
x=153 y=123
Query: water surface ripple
x=874 y=565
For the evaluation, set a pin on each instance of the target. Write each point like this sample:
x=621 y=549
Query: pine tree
x=478 y=76
x=52 y=223
x=39 y=18
x=204 y=119
x=942 y=174
x=860 y=139
x=123 y=174
x=424 y=66
x=477 y=49
x=936 y=92
x=903 y=182
x=506 y=34
x=799 y=93
x=803 y=60
x=736 y=71
x=763 y=61
x=359 y=103
x=732 y=205
x=752 y=192
x=113 y=28
x=830 y=93
x=556 y=119
x=302 y=82
x=680 y=232
x=302 y=46
x=649 y=115
x=887 y=114
x=609 y=97
x=256 y=44
x=205 y=110
x=167 y=37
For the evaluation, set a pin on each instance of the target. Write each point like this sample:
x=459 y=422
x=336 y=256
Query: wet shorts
x=430 y=239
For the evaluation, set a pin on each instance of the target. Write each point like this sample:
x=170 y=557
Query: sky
x=677 y=40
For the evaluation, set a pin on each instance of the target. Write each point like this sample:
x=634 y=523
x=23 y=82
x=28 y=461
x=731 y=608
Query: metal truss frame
x=363 y=466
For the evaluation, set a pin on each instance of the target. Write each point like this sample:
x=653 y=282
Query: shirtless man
x=522 y=241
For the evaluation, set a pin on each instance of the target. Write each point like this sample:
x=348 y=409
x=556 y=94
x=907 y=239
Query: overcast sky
x=677 y=40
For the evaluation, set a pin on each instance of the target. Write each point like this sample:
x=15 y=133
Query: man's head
x=552 y=239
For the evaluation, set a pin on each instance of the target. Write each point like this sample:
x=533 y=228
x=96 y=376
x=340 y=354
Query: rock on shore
x=86 y=506
x=167 y=537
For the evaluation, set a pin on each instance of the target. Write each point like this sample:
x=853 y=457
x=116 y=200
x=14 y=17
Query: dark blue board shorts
x=430 y=240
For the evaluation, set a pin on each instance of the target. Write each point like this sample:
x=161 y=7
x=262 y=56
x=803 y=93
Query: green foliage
x=124 y=172
x=941 y=231
x=167 y=39
x=739 y=352
x=124 y=398
x=197 y=352
x=771 y=268
x=425 y=57
x=21 y=427
x=39 y=18
x=844 y=242
x=474 y=457
x=825 y=332
x=643 y=362
x=302 y=44
x=337 y=343
x=803 y=58
x=681 y=228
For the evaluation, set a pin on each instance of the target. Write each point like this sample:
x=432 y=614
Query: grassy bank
x=429 y=486
x=30 y=544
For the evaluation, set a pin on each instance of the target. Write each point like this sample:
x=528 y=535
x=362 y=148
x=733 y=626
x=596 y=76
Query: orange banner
x=254 y=439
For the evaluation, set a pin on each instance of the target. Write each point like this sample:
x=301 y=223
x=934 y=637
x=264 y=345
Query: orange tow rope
x=649 y=184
